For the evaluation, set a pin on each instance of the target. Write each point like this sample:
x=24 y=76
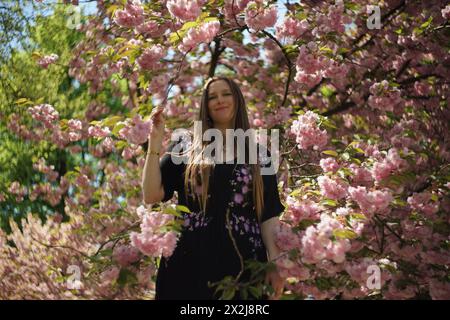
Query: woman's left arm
x=268 y=235
x=273 y=278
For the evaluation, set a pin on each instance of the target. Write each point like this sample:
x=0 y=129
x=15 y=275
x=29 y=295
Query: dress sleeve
x=272 y=204
x=171 y=172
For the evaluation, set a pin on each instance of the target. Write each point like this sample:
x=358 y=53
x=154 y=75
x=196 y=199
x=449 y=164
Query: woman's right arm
x=153 y=190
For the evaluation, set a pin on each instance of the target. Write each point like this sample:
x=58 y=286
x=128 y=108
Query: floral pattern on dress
x=195 y=220
x=240 y=184
x=248 y=228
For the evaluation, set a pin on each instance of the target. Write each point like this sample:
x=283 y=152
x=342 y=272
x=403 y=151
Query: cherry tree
x=363 y=112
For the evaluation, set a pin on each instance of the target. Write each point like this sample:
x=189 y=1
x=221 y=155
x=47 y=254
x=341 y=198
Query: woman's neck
x=223 y=128
x=228 y=154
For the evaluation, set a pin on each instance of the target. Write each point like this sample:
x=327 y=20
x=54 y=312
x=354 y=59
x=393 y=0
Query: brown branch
x=60 y=247
x=345 y=105
x=174 y=78
x=288 y=62
x=389 y=228
x=403 y=68
x=242 y=28
x=228 y=66
x=414 y=79
x=119 y=236
x=215 y=57
x=230 y=233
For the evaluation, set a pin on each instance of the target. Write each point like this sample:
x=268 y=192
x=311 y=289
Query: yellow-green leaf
x=344 y=234
x=111 y=121
x=183 y=208
x=329 y=202
x=36 y=55
x=23 y=101
x=330 y=153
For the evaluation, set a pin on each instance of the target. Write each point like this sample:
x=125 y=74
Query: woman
x=233 y=207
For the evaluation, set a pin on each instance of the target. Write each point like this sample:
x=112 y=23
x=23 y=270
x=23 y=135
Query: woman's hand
x=158 y=125
x=274 y=279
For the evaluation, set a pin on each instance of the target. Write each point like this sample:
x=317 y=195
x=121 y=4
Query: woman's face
x=221 y=105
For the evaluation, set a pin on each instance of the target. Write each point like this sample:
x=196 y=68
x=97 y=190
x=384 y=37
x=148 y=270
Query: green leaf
x=244 y=294
x=106 y=252
x=344 y=234
x=328 y=124
x=314 y=192
x=171 y=210
x=36 y=55
x=255 y=291
x=121 y=144
x=327 y=91
x=179 y=35
x=399 y=202
x=112 y=9
x=228 y=294
x=23 y=101
x=358 y=216
x=183 y=208
x=329 y=202
x=117 y=128
x=330 y=153
x=305 y=223
x=111 y=121
x=358 y=150
x=126 y=277
x=426 y=23
x=326 y=50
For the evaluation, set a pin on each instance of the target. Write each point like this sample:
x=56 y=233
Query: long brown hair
x=198 y=171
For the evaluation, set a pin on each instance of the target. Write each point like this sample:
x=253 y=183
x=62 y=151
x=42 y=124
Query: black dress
x=205 y=251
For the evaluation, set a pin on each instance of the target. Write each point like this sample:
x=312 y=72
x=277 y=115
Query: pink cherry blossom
x=45 y=61
x=131 y=16
x=44 y=113
x=390 y=164
x=384 y=97
x=258 y=18
x=423 y=203
x=329 y=164
x=330 y=188
x=446 y=12
x=150 y=58
x=185 y=10
x=317 y=244
x=205 y=33
x=152 y=242
x=135 y=131
x=292 y=28
x=308 y=133
x=370 y=202
x=125 y=255
x=299 y=210
x=98 y=132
